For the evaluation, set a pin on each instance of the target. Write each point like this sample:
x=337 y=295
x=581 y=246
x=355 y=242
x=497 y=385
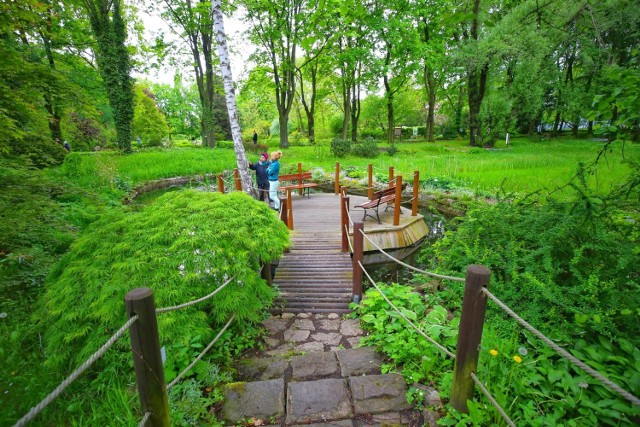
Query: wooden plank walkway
x=315 y=276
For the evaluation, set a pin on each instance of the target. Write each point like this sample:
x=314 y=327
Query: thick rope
x=349 y=217
x=199 y=300
x=431 y=340
x=75 y=374
x=346 y=230
x=144 y=420
x=492 y=400
x=197 y=359
x=562 y=352
x=428 y=273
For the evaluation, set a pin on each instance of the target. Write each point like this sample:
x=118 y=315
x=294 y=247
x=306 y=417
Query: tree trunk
x=49 y=103
x=346 y=106
x=390 y=120
x=230 y=97
x=355 y=109
x=475 y=95
x=430 y=85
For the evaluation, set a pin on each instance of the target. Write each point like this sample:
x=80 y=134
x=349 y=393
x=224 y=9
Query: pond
x=384 y=270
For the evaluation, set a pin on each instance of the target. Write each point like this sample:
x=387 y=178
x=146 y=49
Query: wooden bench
x=387 y=195
x=298 y=182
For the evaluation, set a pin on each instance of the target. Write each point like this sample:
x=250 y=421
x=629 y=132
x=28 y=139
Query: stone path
x=312 y=374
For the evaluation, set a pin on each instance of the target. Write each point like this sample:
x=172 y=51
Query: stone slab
x=260 y=399
x=318 y=401
x=313 y=346
x=374 y=394
x=351 y=328
x=296 y=335
x=275 y=325
x=314 y=365
x=387 y=419
x=305 y=324
x=339 y=423
x=354 y=342
x=359 y=361
x=329 y=324
x=333 y=316
x=332 y=338
x=262 y=368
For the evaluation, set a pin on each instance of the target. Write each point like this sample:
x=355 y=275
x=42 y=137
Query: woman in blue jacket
x=272 y=173
x=261 y=174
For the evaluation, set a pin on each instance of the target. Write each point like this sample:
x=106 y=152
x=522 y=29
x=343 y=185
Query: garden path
x=313 y=374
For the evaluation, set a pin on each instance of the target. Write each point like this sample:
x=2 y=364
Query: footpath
x=313 y=374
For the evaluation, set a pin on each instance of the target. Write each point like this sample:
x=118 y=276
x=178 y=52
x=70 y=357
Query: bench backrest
x=387 y=191
x=295 y=176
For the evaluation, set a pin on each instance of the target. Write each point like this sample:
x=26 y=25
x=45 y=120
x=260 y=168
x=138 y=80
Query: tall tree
x=192 y=20
x=112 y=56
x=275 y=29
x=230 y=95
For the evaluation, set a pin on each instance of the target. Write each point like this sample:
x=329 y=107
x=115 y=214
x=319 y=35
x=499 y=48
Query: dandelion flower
x=518 y=359
x=583 y=384
x=493 y=352
x=523 y=351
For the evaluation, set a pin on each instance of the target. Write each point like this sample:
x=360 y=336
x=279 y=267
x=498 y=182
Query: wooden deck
x=315 y=276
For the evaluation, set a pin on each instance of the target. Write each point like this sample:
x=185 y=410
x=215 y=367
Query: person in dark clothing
x=261 y=174
x=255 y=137
x=66 y=146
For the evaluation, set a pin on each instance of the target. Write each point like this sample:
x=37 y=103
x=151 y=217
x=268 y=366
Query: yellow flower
x=493 y=352
x=518 y=359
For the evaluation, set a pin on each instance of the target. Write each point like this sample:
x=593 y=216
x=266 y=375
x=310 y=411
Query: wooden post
x=370 y=173
x=416 y=189
x=220 y=183
x=236 y=180
x=283 y=210
x=300 y=190
x=336 y=183
x=265 y=272
x=391 y=176
x=147 y=361
x=474 y=304
x=396 y=206
x=344 y=221
x=358 y=257
x=289 y=211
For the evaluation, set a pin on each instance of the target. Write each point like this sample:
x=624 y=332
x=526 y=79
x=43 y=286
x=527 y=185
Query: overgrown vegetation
x=568 y=267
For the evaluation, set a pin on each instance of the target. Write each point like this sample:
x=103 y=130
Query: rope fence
x=431 y=340
x=144 y=420
x=29 y=416
x=194 y=302
x=493 y=401
x=410 y=267
x=201 y=355
x=75 y=374
x=562 y=352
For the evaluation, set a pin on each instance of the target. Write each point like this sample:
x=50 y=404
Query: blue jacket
x=261 y=171
x=273 y=170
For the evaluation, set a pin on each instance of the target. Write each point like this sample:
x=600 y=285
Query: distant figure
x=273 y=171
x=138 y=142
x=66 y=146
x=255 y=137
x=261 y=174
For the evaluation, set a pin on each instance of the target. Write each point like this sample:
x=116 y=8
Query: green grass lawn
x=523 y=166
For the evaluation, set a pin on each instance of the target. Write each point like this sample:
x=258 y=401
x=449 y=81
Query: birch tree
x=230 y=96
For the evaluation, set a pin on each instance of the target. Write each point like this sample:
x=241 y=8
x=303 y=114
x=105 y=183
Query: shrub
x=224 y=144
x=368 y=148
x=340 y=147
x=392 y=150
x=183 y=246
x=41 y=151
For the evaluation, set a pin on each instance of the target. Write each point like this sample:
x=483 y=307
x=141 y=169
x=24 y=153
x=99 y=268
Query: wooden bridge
x=315 y=276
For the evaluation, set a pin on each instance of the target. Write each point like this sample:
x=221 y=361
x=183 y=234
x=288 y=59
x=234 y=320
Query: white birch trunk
x=230 y=96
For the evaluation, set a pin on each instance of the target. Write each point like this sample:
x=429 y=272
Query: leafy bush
x=392 y=150
x=224 y=144
x=354 y=172
x=183 y=246
x=570 y=268
x=368 y=148
x=41 y=151
x=340 y=147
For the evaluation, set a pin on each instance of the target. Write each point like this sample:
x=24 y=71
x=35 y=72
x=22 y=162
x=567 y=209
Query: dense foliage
x=183 y=246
